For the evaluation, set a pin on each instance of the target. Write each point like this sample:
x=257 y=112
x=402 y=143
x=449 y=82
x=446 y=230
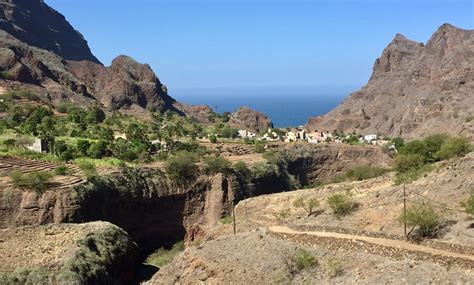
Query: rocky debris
x=415 y=90
x=36 y=24
x=90 y=253
x=395 y=253
x=256 y=257
x=251 y=120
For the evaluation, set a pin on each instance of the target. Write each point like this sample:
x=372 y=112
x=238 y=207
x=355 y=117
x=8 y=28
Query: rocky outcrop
x=36 y=24
x=90 y=253
x=248 y=119
x=415 y=90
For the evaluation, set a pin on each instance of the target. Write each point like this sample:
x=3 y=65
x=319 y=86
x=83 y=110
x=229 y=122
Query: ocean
x=286 y=108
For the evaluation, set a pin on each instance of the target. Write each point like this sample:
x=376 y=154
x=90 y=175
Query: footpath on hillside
x=396 y=249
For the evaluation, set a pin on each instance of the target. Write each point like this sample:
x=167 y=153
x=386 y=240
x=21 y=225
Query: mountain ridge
x=414 y=90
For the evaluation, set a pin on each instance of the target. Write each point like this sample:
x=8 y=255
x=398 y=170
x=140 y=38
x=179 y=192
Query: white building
x=246 y=134
x=369 y=138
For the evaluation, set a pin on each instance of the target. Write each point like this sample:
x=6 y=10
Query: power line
x=447 y=206
x=444 y=208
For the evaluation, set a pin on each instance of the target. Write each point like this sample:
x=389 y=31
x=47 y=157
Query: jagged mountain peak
x=414 y=90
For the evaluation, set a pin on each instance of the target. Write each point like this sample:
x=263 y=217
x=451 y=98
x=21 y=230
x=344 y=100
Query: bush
x=212 y=138
x=334 y=269
x=422 y=216
x=36 y=180
x=259 y=147
x=405 y=162
x=242 y=168
x=306 y=204
x=9 y=142
x=363 y=172
x=226 y=220
x=182 y=166
x=163 y=256
x=88 y=168
x=282 y=215
x=341 y=204
x=468 y=205
x=304 y=259
x=453 y=147
x=398 y=142
x=216 y=164
x=62 y=170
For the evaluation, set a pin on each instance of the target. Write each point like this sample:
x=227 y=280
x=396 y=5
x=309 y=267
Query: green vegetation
x=88 y=168
x=36 y=180
x=96 y=257
x=62 y=170
x=341 y=204
x=226 y=220
x=216 y=164
x=414 y=158
x=334 y=268
x=364 y=172
x=282 y=215
x=163 y=256
x=422 y=216
x=306 y=204
x=304 y=260
x=182 y=166
x=468 y=204
x=26 y=277
x=259 y=147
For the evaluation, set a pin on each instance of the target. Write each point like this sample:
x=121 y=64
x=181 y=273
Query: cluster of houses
x=301 y=135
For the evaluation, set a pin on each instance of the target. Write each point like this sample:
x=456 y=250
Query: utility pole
x=405 y=210
x=233 y=217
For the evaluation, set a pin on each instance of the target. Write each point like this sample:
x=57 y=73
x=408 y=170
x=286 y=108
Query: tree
x=95 y=115
x=182 y=166
x=307 y=205
x=405 y=162
x=422 y=216
x=452 y=147
x=83 y=147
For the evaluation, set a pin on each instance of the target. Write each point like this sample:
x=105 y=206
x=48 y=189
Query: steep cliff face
x=415 y=90
x=311 y=164
x=36 y=24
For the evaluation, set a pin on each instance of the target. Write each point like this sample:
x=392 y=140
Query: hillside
x=415 y=90
x=365 y=246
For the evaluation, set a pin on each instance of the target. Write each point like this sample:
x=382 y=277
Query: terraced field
x=76 y=176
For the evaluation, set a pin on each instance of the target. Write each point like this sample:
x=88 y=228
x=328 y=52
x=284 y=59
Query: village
x=300 y=134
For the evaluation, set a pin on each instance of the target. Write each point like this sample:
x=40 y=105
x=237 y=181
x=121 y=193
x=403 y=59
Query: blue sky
x=257 y=43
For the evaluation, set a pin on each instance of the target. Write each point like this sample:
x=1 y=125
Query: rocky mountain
x=415 y=90
x=36 y=24
x=41 y=52
x=248 y=119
